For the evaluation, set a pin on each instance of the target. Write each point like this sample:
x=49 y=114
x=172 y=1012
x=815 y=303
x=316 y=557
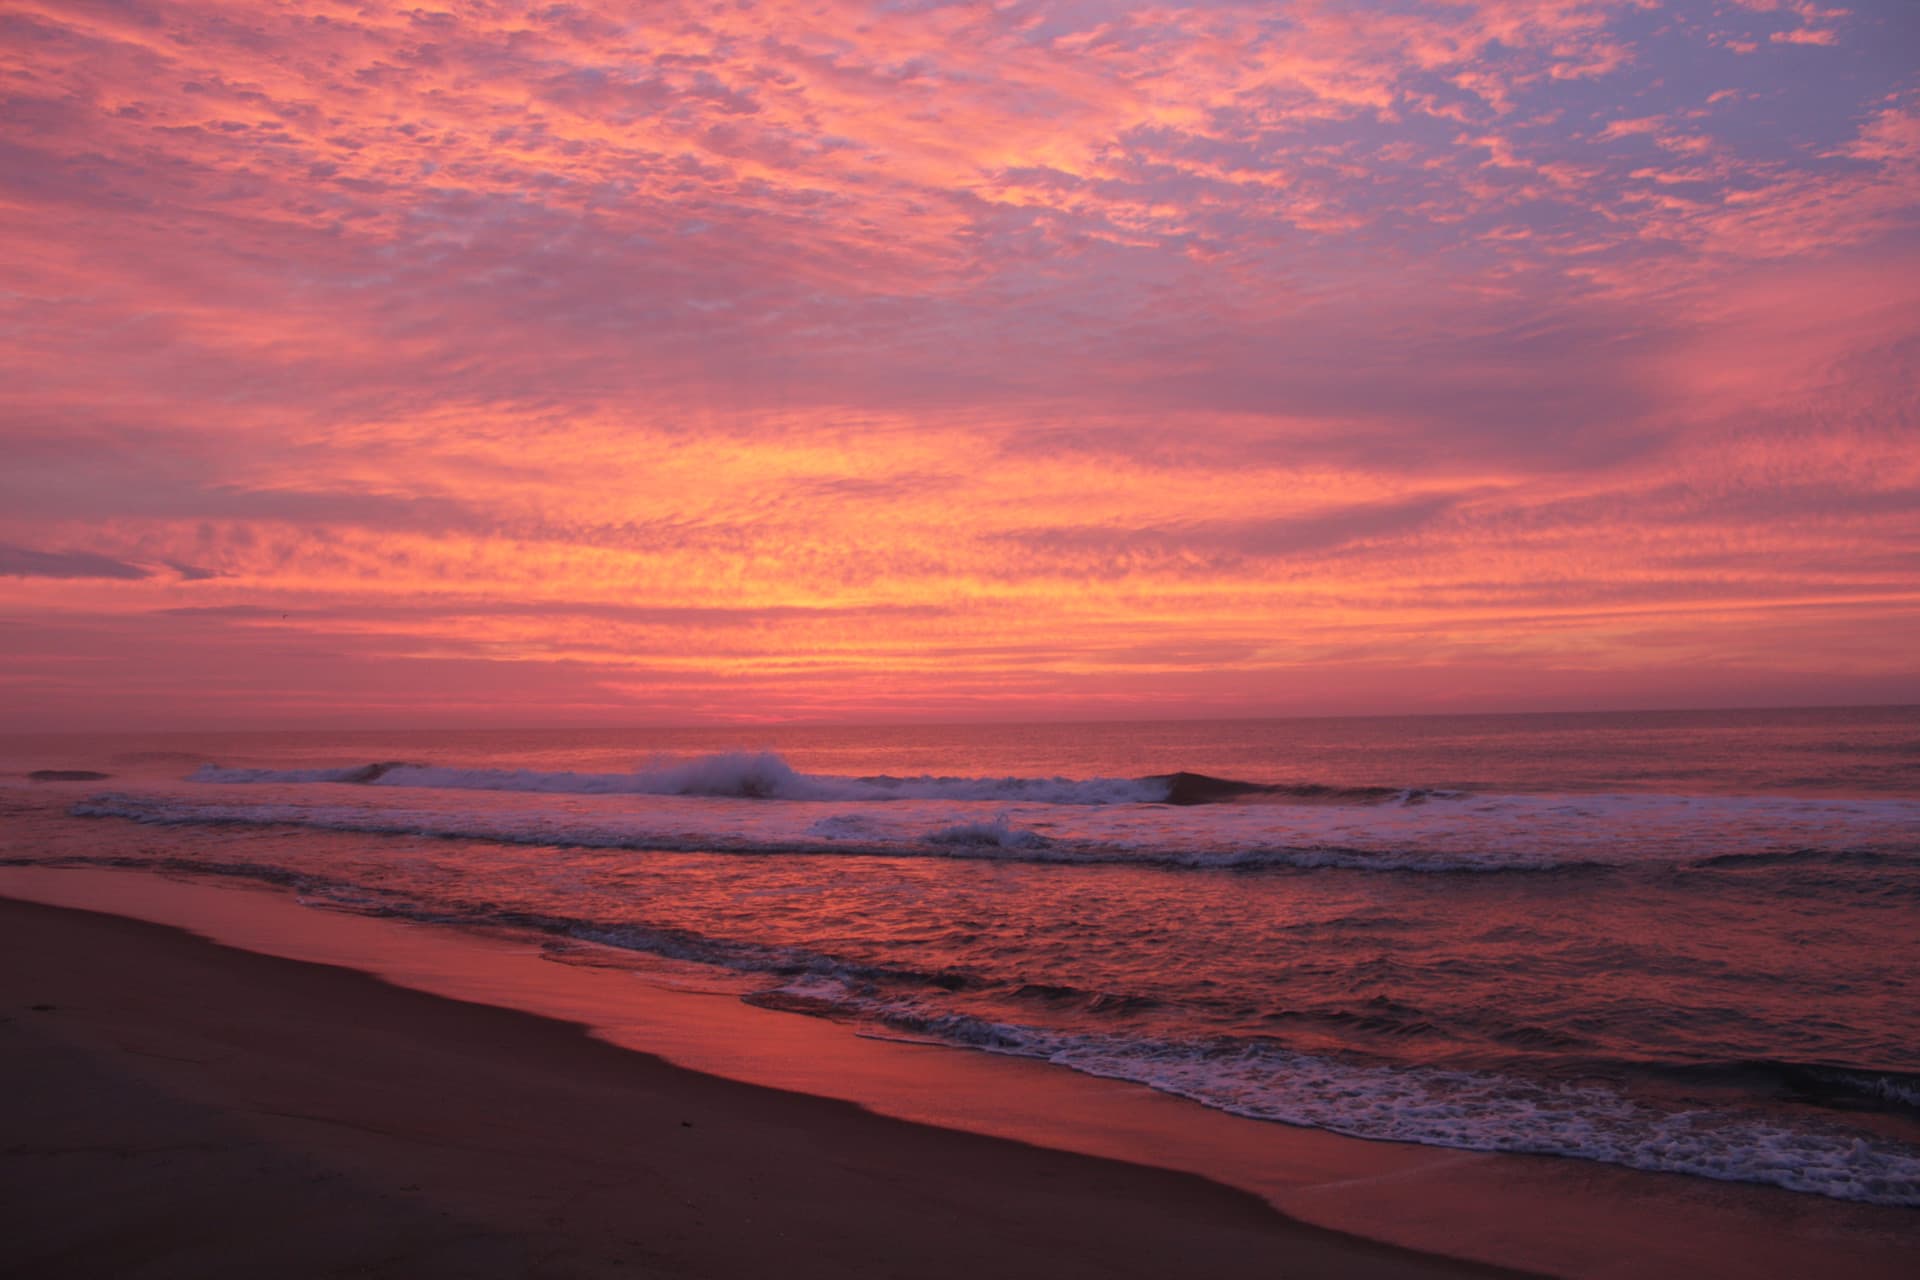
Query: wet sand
x=176 y=1107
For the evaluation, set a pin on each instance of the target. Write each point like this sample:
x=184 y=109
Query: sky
x=673 y=363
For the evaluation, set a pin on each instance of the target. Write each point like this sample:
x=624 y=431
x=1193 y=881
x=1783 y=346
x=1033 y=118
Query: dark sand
x=179 y=1108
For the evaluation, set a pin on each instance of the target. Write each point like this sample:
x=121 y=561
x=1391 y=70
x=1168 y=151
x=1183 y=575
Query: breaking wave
x=764 y=775
x=1473 y=1110
x=995 y=839
x=761 y=775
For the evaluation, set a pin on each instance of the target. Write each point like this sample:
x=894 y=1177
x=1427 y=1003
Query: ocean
x=1671 y=941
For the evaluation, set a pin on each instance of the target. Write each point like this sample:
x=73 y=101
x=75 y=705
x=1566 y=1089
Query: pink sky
x=660 y=362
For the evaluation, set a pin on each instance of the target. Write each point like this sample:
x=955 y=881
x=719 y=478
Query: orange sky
x=661 y=362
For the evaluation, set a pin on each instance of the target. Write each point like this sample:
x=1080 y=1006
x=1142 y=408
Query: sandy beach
x=215 y=1078
x=182 y=1108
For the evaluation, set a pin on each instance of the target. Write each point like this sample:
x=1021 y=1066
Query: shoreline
x=361 y=1125
x=1537 y=1213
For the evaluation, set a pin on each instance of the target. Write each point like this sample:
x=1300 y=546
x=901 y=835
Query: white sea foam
x=917 y=832
x=973 y=818
x=1469 y=1110
x=1484 y=1112
x=1491 y=834
x=996 y=833
x=1098 y=818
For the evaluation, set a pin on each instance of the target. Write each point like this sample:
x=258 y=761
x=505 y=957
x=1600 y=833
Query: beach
x=1049 y=638
x=184 y=1107
x=1572 y=996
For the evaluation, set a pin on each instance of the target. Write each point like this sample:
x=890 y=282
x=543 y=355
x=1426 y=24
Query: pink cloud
x=832 y=356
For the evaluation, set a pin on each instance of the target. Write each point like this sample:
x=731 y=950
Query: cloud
x=442 y=609
x=25 y=562
x=144 y=474
x=914 y=352
x=1316 y=534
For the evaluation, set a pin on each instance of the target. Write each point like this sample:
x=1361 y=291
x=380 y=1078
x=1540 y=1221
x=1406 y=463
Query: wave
x=1474 y=1110
x=1106 y=1003
x=761 y=775
x=998 y=834
x=765 y=775
x=1186 y=788
x=665 y=941
x=1819 y=1083
x=839 y=835
x=1870 y=859
x=1866 y=847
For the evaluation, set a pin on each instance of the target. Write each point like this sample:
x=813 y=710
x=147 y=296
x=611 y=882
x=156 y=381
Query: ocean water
x=1676 y=941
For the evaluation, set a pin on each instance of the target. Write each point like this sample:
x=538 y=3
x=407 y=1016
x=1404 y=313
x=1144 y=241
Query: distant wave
x=1771 y=858
x=1866 y=847
x=765 y=775
x=840 y=835
x=1200 y=788
x=743 y=775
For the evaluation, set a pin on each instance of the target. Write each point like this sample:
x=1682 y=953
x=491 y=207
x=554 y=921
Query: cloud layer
x=689 y=361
